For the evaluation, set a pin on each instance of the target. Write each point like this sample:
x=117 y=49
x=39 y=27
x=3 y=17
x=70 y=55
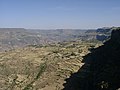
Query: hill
x=101 y=70
x=38 y=67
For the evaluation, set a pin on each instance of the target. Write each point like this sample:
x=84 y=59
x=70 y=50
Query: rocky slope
x=101 y=70
x=39 y=67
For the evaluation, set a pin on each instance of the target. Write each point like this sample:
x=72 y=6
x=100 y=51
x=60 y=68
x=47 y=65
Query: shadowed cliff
x=101 y=70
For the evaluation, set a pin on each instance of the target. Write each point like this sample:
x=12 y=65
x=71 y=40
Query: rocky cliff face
x=105 y=66
x=100 y=34
x=102 y=68
x=115 y=35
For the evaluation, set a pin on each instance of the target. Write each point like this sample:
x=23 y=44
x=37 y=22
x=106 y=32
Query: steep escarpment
x=101 y=70
x=105 y=66
x=100 y=34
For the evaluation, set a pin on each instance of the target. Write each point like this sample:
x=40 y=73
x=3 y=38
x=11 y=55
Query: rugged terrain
x=101 y=70
x=12 y=38
x=68 y=65
x=39 y=67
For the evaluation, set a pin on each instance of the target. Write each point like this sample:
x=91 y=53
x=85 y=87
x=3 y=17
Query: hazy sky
x=51 y=14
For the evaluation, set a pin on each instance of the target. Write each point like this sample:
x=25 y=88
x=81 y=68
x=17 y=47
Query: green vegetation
x=43 y=66
x=28 y=87
x=42 y=69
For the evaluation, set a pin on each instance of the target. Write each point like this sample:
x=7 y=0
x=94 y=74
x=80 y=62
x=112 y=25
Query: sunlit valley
x=59 y=45
x=43 y=60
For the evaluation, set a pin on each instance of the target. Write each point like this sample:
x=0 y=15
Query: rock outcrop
x=102 y=68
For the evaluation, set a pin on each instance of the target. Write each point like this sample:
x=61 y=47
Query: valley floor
x=42 y=67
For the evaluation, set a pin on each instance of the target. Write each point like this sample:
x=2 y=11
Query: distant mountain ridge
x=11 y=38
